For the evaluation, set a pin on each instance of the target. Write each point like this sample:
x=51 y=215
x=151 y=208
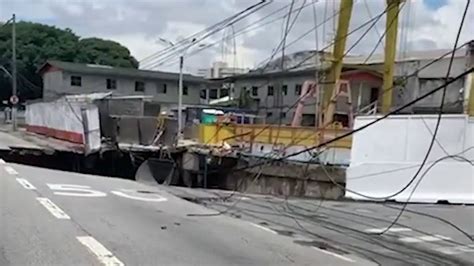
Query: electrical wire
x=239 y=32
x=178 y=51
x=212 y=28
x=458 y=156
x=438 y=122
x=397 y=110
x=381 y=37
x=309 y=91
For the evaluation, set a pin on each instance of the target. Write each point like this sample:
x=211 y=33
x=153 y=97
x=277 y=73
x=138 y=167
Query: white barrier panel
x=64 y=120
x=335 y=156
x=386 y=156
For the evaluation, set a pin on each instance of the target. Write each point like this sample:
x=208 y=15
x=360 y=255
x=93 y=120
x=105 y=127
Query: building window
x=213 y=94
x=203 y=94
x=298 y=89
x=139 y=86
x=284 y=90
x=185 y=90
x=161 y=88
x=254 y=91
x=224 y=92
x=270 y=90
x=111 y=84
x=76 y=81
x=269 y=114
x=282 y=115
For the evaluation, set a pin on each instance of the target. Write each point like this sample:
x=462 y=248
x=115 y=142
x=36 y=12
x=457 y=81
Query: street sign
x=14 y=99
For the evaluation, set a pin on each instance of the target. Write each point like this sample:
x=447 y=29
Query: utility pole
x=333 y=77
x=14 y=83
x=180 y=97
x=391 y=29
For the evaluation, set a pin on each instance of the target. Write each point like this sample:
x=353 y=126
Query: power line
x=345 y=135
x=438 y=122
x=239 y=32
x=347 y=51
x=208 y=29
x=157 y=61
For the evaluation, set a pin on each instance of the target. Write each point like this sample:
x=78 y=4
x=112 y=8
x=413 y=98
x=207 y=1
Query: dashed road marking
x=426 y=238
x=334 y=255
x=25 y=183
x=264 y=228
x=392 y=230
x=105 y=256
x=53 y=208
x=10 y=170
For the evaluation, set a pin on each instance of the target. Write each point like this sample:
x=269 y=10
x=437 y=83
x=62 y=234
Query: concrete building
x=220 y=70
x=277 y=91
x=65 y=78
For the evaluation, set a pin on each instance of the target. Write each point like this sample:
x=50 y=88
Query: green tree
x=37 y=43
x=104 y=52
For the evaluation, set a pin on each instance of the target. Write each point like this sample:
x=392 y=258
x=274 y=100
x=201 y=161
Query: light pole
x=180 y=84
x=14 y=89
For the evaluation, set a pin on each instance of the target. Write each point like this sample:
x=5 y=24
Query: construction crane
x=332 y=80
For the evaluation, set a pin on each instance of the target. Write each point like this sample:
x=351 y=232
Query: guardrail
x=215 y=134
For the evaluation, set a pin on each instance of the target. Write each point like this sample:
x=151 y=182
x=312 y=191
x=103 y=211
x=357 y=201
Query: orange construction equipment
x=339 y=108
x=309 y=89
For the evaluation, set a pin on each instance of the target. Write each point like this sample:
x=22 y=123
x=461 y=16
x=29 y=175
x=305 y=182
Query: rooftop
x=104 y=70
x=308 y=60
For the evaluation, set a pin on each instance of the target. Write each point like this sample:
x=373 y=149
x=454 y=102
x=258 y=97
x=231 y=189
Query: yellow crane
x=333 y=77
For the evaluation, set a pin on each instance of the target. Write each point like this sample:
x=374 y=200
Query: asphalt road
x=50 y=217
x=424 y=235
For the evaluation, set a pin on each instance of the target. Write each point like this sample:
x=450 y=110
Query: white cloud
x=138 y=24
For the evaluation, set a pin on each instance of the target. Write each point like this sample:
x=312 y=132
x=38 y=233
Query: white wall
x=63 y=117
x=386 y=156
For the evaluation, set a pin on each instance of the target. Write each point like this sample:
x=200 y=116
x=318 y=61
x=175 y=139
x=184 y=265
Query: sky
x=139 y=25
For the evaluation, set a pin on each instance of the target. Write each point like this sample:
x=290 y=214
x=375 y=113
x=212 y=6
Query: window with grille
x=111 y=84
x=76 y=81
x=139 y=86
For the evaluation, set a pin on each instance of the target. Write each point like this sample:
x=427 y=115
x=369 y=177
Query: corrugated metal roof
x=103 y=70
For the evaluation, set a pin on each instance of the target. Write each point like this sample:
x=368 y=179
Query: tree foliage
x=37 y=43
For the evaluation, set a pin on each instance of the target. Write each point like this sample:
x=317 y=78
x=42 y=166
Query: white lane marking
x=10 y=170
x=264 y=228
x=53 y=208
x=25 y=183
x=456 y=250
x=334 y=255
x=158 y=198
x=427 y=238
x=105 y=256
x=392 y=230
x=80 y=191
x=2 y=161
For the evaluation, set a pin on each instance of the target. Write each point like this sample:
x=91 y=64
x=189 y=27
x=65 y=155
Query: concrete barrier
x=386 y=156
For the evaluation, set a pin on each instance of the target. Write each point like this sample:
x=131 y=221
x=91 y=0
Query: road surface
x=50 y=217
x=425 y=234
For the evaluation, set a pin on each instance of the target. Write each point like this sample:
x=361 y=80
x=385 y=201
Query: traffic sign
x=14 y=99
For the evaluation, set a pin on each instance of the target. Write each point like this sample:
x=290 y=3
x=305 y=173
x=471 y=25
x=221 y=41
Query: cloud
x=139 y=24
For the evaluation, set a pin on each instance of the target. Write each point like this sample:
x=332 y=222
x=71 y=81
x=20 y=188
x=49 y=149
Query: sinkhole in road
x=113 y=164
